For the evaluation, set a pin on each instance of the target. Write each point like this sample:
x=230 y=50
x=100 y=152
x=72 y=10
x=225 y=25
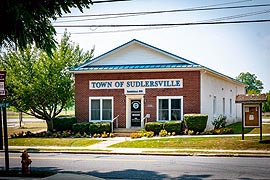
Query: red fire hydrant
x=26 y=161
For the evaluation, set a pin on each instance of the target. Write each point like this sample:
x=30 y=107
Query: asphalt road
x=147 y=167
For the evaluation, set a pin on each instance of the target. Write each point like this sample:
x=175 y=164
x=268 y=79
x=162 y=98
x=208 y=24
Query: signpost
x=3 y=106
x=251 y=110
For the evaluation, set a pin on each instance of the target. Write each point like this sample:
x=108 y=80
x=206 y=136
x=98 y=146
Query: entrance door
x=136 y=113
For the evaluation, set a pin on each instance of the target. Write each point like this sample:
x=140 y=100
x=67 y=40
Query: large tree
x=254 y=86
x=41 y=85
x=26 y=22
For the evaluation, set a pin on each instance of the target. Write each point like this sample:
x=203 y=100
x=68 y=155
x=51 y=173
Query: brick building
x=137 y=81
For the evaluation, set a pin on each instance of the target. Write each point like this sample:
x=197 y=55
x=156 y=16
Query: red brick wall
x=190 y=92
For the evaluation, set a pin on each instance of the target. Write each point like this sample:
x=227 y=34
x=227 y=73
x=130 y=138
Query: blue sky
x=229 y=48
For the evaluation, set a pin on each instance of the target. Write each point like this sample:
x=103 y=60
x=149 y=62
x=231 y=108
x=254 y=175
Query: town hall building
x=137 y=82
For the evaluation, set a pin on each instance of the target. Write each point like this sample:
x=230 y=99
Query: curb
x=201 y=154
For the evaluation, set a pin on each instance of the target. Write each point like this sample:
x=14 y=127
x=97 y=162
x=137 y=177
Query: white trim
x=170 y=98
x=100 y=98
x=128 y=108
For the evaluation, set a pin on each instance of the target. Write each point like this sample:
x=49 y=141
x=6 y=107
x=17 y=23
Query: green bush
x=196 y=122
x=100 y=127
x=173 y=126
x=82 y=127
x=219 y=122
x=63 y=123
x=156 y=127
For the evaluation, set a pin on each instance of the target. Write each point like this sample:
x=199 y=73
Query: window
x=169 y=108
x=224 y=106
x=101 y=108
x=214 y=105
x=230 y=107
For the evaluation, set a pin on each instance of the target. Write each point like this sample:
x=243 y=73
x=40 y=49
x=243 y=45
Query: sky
x=227 y=48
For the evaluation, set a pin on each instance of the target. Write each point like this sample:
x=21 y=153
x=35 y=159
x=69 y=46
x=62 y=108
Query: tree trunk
x=49 y=125
x=20 y=118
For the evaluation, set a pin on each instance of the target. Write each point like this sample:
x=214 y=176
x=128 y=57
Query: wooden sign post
x=251 y=111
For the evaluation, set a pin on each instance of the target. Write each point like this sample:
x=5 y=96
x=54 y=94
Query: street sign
x=2 y=84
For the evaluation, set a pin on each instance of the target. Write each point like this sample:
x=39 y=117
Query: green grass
x=71 y=142
x=29 y=126
x=237 y=129
x=222 y=143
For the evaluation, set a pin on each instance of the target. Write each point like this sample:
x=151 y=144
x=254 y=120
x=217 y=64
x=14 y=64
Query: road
x=148 y=167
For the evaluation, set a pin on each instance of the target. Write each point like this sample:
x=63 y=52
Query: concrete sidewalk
x=104 y=148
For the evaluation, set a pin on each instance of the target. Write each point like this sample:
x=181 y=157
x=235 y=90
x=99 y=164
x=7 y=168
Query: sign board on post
x=2 y=84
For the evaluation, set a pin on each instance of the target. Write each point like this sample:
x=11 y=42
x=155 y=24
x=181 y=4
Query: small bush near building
x=173 y=126
x=163 y=133
x=82 y=128
x=100 y=127
x=219 y=122
x=63 y=123
x=196 y=122
x=156 y=127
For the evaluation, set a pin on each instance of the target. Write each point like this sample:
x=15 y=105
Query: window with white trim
x=101 y=108
x=169 y=108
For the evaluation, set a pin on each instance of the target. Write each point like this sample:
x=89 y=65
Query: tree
x=41 y=85
x=254 y=86
x=26 y=22
x=266 y=105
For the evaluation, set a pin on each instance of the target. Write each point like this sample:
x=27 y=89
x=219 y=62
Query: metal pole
x=1 y=131
x=243 y=129
x=5 y=137
x=260 y=113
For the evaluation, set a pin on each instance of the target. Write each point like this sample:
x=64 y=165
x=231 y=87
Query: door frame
x=128 y=109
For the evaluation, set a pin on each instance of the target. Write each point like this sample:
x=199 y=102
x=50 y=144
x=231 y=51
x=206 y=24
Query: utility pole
x=3 y=106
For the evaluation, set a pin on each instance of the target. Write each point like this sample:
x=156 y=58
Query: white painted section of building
x=135 y=54
x=224 y=91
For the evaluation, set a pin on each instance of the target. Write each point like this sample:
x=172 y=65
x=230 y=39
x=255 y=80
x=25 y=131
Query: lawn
x=70 y=142
x=28 y=126
x=217 y=143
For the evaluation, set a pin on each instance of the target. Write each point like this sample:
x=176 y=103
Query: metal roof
x=135 y=66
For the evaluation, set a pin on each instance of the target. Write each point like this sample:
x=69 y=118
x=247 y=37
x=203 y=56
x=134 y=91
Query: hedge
x=196 y=122
x=63 y=123
x=156 y=127
x=82 y=128
x=173 y=126
x=100 y=127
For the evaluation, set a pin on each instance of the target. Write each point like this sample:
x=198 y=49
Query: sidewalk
x=103 y=148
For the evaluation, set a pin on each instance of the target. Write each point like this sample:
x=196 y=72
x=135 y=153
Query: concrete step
x=123 y=132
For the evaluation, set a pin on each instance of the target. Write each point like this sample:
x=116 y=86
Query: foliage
x=219 y=122
x=254 y=85
x=29 y=22
x=266 y=105
x=196 y=122
x=149 y=134
x=100 y=127
x=63 y=123
x=82 y=127
x=173 y=126
x=135 y=135
x=40 y=85
x=156 y=127
x=163 y=133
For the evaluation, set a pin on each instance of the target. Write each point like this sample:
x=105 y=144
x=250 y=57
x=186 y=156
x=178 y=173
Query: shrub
x=163 y=133
x=100 y=127
x=219 y=122
x=156 y=127
x=135 y=135
x=196 y=122
x=82 y=127
x=173 y=126
x=63 y=123
x=149 y=134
